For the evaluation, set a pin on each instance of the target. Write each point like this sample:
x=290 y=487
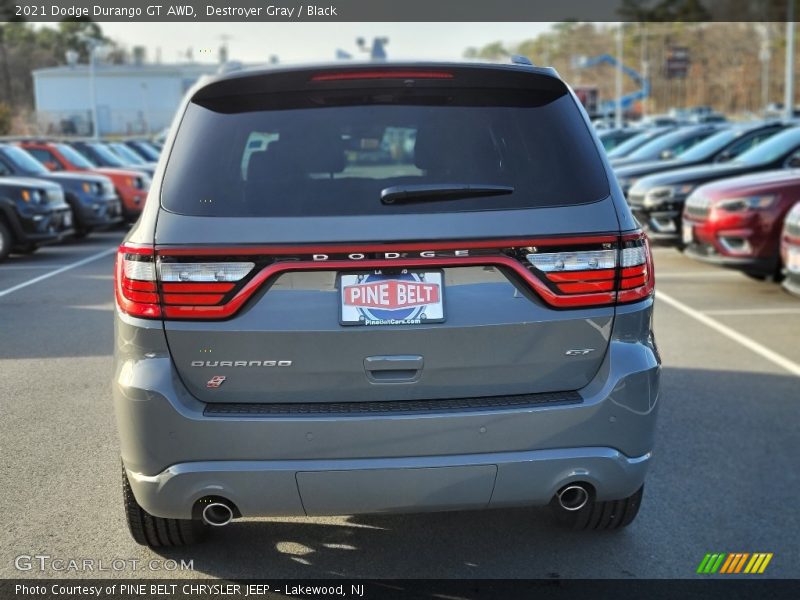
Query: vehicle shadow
x=721 y=448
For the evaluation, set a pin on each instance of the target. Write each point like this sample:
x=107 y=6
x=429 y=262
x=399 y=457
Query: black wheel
x=611 y=514
x=156 y=532
x=5 y=241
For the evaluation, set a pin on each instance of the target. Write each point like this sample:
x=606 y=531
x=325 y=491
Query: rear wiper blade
x=433 y=192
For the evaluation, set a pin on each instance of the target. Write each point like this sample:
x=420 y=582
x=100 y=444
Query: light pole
x=788 y=98
x=618 y=81
x=91 y=46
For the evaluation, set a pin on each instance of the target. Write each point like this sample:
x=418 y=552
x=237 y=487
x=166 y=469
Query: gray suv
x=383 y=288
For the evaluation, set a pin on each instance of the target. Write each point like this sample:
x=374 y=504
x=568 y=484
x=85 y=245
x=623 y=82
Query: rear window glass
x=278 y=160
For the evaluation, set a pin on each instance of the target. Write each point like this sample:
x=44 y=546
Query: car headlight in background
x=658 y=195
x=746 y=203
x=33 y=196
x=92 y=188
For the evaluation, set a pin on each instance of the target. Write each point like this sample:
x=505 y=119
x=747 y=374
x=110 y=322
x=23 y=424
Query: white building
x=131 y=98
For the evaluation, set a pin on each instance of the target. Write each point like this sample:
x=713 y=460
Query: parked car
x=790 y=250
x=645 y=136
x=611 y=138
x=129 y=156
x=32 y=213
x=658 y=121
x=145 y=149
x=723 y=146
x=92 y=199
x=737 y=222
x=665 y=147
x=102 y=156
x=130 y=186
x=657 y=200
x=338 y=296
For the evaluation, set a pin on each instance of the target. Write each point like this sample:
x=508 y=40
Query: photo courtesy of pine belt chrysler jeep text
x=373 y=288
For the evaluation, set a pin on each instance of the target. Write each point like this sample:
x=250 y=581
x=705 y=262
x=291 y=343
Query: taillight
x=199 y=289
x=595 y=274
x=135 y=281
x=637 y=279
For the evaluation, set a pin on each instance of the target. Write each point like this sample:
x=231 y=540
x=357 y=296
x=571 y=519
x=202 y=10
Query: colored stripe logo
x=734 y=562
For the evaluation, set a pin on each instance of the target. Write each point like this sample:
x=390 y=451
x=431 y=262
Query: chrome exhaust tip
x=217 y=514
x=573 y=497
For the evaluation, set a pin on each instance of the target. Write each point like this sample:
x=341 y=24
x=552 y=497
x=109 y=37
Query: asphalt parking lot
x=724 y=479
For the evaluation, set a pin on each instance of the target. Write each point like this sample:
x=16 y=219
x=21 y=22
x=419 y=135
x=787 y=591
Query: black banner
x=394 y=10
x=733 y=588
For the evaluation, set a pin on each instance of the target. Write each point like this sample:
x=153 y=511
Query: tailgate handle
x=401 y=368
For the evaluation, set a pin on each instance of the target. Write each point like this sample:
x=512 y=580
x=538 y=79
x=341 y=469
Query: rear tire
x=5 y=241
x=158 y=532
x=607 y=515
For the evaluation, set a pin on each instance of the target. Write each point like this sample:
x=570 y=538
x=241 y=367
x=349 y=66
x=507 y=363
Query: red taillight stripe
x=586 y=287
x=199 y=299
x=632 y=282
x=231 y=307
x=582 y=275
x=139 y=286
x=633 y=271
x=387 y=74
x=184 y=288
x=202 y=300
x=141 y=297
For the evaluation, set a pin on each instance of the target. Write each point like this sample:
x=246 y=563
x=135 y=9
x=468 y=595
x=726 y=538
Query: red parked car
x=790 y=250
x=131 y=186
x=737 y=222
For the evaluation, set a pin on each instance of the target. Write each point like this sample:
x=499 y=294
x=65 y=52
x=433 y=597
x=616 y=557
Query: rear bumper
x=353 y=486
x=437 y=460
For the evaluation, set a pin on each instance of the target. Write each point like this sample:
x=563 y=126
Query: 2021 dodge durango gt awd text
x=404 y=288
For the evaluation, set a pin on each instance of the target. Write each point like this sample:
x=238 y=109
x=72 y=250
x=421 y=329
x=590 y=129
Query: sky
x=293 y=42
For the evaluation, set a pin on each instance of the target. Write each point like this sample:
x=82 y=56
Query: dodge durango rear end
x=383 y=288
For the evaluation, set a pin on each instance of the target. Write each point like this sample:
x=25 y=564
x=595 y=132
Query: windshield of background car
x=74 y=157
x=127 y=154
x=296 y=158
x=710 y=146
x=148 y=150
x=670 y=141
x=107 y=155
x=24 y=161
x=771 y=149
x=631 y=144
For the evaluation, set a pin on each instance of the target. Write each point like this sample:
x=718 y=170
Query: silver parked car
x=383 y=288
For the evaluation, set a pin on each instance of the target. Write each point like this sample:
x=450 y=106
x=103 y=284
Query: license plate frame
x=418 y=313
x=687 y=233
x=793 y=260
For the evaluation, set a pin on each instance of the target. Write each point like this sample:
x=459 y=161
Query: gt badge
x=216 y=381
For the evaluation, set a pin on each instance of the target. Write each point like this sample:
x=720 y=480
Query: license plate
x=688 y=233
x=68 y=219
x=401 y=298
x=793 y=260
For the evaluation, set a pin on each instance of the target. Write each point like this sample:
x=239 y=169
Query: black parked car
x=92 y=198
x=103 y=156
x=720 y=147
x=657 y=200
x=643 y=137
x=32 y=213
x=667 y=146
